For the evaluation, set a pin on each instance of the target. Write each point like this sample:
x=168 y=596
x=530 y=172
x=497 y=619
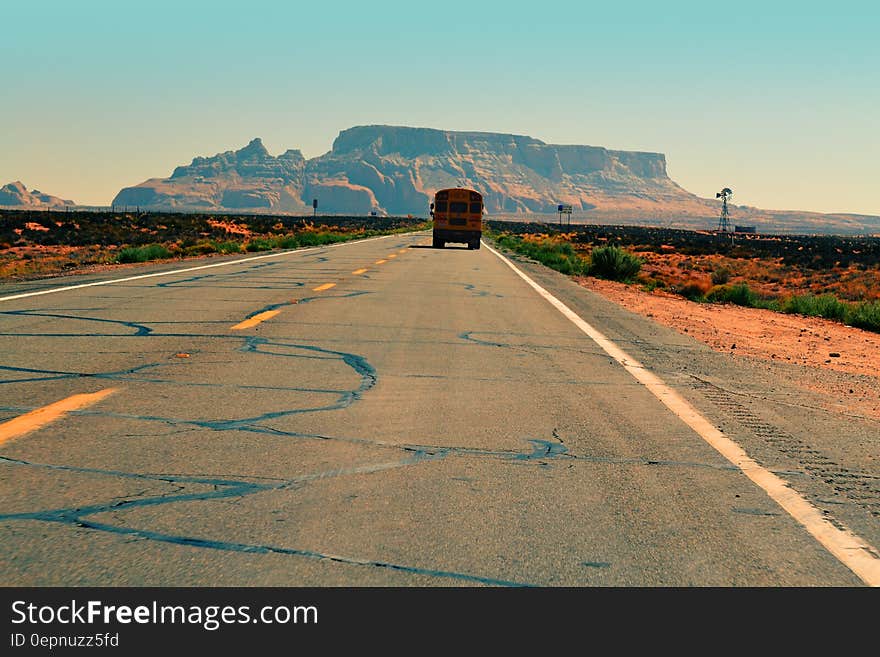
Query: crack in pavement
x=232 y=490
x=224 y=488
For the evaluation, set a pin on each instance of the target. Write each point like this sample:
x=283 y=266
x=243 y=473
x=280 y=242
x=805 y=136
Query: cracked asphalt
x=430 y=421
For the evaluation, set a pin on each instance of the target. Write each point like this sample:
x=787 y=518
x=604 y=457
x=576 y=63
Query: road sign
x=563 y=209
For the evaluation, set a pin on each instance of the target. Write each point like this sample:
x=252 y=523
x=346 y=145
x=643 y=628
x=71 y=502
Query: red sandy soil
x=812 y=342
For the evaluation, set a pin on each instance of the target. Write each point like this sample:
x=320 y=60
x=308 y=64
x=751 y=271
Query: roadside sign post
x=564 y=209
x=314 y=207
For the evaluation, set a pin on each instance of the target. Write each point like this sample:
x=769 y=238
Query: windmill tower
x=724 y=219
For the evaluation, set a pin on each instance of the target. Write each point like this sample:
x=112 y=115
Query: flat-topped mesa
x=385 y=140
x=396 y=169
x=589 y=159
x=548 y=158
x=403 y=166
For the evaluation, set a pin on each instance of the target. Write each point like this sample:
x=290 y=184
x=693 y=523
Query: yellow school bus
x=458 y=217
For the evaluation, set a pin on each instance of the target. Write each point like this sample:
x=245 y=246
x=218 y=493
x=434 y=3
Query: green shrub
x=693 y=291
x=721 y=276
x=823 y=305
x=143 y=253
x=286 y=242
x=557 y=255
x=304 y=238
x=259 y=244
x=308 y=238
x=864 y=315
x=227 y=247
x=201 y=248
x=739 y=294
x=614 y=263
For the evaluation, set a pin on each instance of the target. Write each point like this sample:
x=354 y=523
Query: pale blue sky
x=778 y=100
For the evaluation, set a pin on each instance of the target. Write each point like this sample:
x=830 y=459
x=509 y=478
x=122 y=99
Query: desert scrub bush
x=652 y=284
x=203 y=247
x=286 y=242
x=259 y=244
x=740 y=294
x=555 y=254
x=227 y=247
x=721 y=276
x=310 y=238
x=143 y=253
x=693 y=290
x=822 y=305
x=614 y=263
x=304 y=238
x=864 y=315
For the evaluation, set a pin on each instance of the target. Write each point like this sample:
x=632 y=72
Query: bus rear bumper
x=464 y=236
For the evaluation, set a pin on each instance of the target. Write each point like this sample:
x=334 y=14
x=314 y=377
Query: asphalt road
x=376 y=413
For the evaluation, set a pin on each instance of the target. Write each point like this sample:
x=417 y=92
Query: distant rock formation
x=16 y=195
x=403 y=167
x=246 y=179
x=396 y=170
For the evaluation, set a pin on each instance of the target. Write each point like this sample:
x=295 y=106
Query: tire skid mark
x=224 y=489
x=859 y=488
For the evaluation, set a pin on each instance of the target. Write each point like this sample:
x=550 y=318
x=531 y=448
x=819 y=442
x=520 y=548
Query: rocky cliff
x=397 y=169
x=16 y=195
x=246 y=179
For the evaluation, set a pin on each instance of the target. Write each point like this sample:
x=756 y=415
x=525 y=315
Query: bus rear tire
x=474 y=244
x=438 y=243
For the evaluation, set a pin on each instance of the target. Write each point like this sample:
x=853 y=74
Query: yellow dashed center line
x=391 y=255
x=256 y=319
x=358 y=272
x=381 y=262
x=325 y=286
x=402 y=251
x=40 y=417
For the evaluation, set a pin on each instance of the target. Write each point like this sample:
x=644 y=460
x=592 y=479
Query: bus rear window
x=441 y=206
x=476 y=208
x=458 y=206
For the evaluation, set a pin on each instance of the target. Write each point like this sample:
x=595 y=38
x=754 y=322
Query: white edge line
x=188 y=269
x=851 y=550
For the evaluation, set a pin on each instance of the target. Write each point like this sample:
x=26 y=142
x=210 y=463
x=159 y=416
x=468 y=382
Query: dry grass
x=43 y=244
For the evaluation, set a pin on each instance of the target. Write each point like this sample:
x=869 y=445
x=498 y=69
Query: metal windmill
x=724 y=220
